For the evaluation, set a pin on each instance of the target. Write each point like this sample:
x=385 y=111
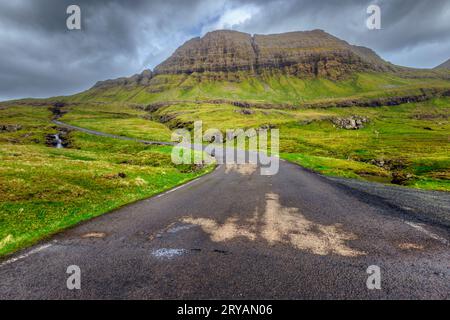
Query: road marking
x=26 y=255
x=182 y=186
x=175 y=189
x=432 y=235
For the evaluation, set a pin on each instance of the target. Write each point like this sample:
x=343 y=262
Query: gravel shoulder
x=425 y=205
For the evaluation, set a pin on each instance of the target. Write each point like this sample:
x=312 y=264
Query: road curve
x=109 y=135
x=237 y=234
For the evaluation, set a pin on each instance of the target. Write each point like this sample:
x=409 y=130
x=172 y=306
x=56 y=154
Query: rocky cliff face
x=220 y=54
x=309 y=53
x=138 y=79
x=226 y=51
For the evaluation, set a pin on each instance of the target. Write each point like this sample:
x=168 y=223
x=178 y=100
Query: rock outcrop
x=350 y=123
x=138 y=79
x=10 y=127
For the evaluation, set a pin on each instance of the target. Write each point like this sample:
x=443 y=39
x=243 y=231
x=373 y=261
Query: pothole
x=221 y=251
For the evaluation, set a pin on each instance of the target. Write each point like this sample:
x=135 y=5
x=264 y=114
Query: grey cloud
x=40 y=57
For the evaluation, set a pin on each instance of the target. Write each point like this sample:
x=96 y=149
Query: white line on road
x=182 y=186
x=428 y=233
x=23 y=256
x=175 y=189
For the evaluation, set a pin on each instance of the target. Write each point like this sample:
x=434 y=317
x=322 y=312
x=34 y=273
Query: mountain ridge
x=298 y=53
x=302 y=53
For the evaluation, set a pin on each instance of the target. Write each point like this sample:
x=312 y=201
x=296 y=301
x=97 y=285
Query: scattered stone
x=388 y=164
x=245 y=111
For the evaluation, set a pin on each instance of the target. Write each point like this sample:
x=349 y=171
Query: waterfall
x=58 y=141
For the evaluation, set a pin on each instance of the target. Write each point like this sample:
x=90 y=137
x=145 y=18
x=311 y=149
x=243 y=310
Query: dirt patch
x=223 y=232
x=94 y=235
x=411 y=246
x=282 y=225
x=243 y=169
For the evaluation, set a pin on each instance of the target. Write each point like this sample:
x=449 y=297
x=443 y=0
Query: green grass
x=413 y=137
x=117 y=119
x=271 y=88
x=44 y=190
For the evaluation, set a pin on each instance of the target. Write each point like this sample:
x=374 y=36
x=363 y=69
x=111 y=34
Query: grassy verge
x=44 y=190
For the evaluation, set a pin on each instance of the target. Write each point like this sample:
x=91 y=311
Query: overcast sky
x=41 y=58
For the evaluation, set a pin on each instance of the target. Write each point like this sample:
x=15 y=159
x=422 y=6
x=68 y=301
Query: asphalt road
x=237 y=234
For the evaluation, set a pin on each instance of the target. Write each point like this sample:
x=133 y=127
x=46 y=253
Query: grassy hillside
x=269 y=88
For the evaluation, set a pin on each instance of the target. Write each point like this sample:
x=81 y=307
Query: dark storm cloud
x=40 y=57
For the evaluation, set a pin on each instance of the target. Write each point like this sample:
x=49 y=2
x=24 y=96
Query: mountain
x=309 y=53
x=287 y=68
x=445 y=65
x=302 y=54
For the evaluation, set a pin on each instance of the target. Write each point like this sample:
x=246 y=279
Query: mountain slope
x=288 y=68
x=445 y=65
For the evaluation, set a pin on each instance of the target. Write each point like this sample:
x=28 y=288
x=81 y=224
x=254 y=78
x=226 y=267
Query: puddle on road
x=166 y=253
x=282 y=225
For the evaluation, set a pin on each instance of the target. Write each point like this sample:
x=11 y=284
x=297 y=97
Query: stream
x=58 y=141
